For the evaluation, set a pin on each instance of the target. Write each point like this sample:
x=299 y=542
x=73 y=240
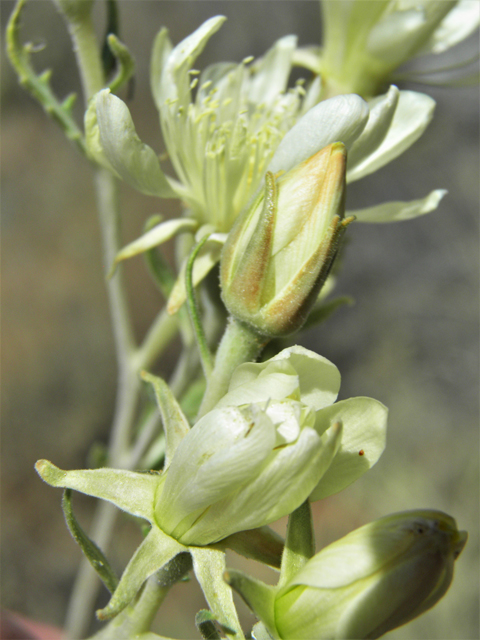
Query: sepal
x=259 y=596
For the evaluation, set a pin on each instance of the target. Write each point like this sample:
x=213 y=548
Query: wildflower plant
x=250 y=428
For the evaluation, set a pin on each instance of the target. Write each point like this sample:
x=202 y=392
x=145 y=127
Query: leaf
x=93 y=553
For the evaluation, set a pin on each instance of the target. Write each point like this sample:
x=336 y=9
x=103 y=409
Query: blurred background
x=411 y=339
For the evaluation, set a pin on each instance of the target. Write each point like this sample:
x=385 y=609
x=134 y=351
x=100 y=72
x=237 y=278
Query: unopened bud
x=373 y=580
x=280 y=251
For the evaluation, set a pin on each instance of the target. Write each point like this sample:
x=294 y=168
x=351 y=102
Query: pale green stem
x=161 y=333
x=239 y=344
x=86 y=585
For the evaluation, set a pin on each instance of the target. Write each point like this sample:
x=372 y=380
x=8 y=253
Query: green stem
x=161 y=333
x=239 y=344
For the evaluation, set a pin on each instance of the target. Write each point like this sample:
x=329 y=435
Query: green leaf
x=125 y=61
x=130 y=491
x=209 y=566
x=93 y=553
x=299 y=544
x=260 y=597
x=175 y=423
x=155 y=551
x=38 y=85
x=262 y=545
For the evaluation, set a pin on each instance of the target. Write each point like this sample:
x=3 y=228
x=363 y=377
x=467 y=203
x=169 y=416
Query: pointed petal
x=92 y=137
x=364 y=434
x=381 y=115
x=133 y=160
x=342 y=118
x=175 y=424
x=209 y=566
x=155 y=551
x=175 y=80
x=397 y=211
x=158 y=235
x=272 y=71
x=130 y=491
x=412 y=116
x=208 y=257
x=457 y=25
x=161 y=49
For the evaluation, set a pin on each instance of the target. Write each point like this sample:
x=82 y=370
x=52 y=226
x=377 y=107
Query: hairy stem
x=239 y=344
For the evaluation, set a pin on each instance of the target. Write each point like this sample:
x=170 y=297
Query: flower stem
x=239 y=344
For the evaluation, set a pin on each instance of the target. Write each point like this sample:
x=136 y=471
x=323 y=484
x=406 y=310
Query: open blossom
x=373 y=580
x=242 y=122
x=277 y=438
x=366 y=41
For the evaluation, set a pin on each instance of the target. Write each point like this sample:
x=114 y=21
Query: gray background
x=411 y=340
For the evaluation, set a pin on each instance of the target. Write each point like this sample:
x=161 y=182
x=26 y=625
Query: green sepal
x=260 y=597
x=262 y=545
x=155 y=551
x=209 y=567
x=205 y=623
x=299 y=544
x=125 y=62
x=175 y=423
x=93 y=553
x=38 y=85
x=107 y=484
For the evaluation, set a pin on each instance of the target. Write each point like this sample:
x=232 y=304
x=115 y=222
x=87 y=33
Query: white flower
x=242 y=123
x=365 y=41
x=275 y=439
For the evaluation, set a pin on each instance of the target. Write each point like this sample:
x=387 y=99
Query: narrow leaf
x=93 y=553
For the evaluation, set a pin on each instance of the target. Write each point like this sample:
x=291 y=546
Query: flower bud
x=373 y=580
x=280 y=251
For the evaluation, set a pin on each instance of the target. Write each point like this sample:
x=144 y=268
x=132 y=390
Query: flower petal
x=272 y=71
x=133 y=160
x=364 y=434
x=457 y=25
x=158 y=235
x=397 y=211
x=130 y=491
x=382 y=110
x=209 y=567
x=341 y=118
x=162 y=47
x=412 y=116
x=155 y=551
x=225 y=449
x=175 y=80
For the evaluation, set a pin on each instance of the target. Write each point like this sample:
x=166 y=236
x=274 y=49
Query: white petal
x=364 y=435
x=341 y=118
x=162 y=48
x=412 y=116
x=158 y=235
x=455 y=27
x=272 y=71
x=175 y=79
x=382 y=111
x=397 y=211
x=133 y=160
